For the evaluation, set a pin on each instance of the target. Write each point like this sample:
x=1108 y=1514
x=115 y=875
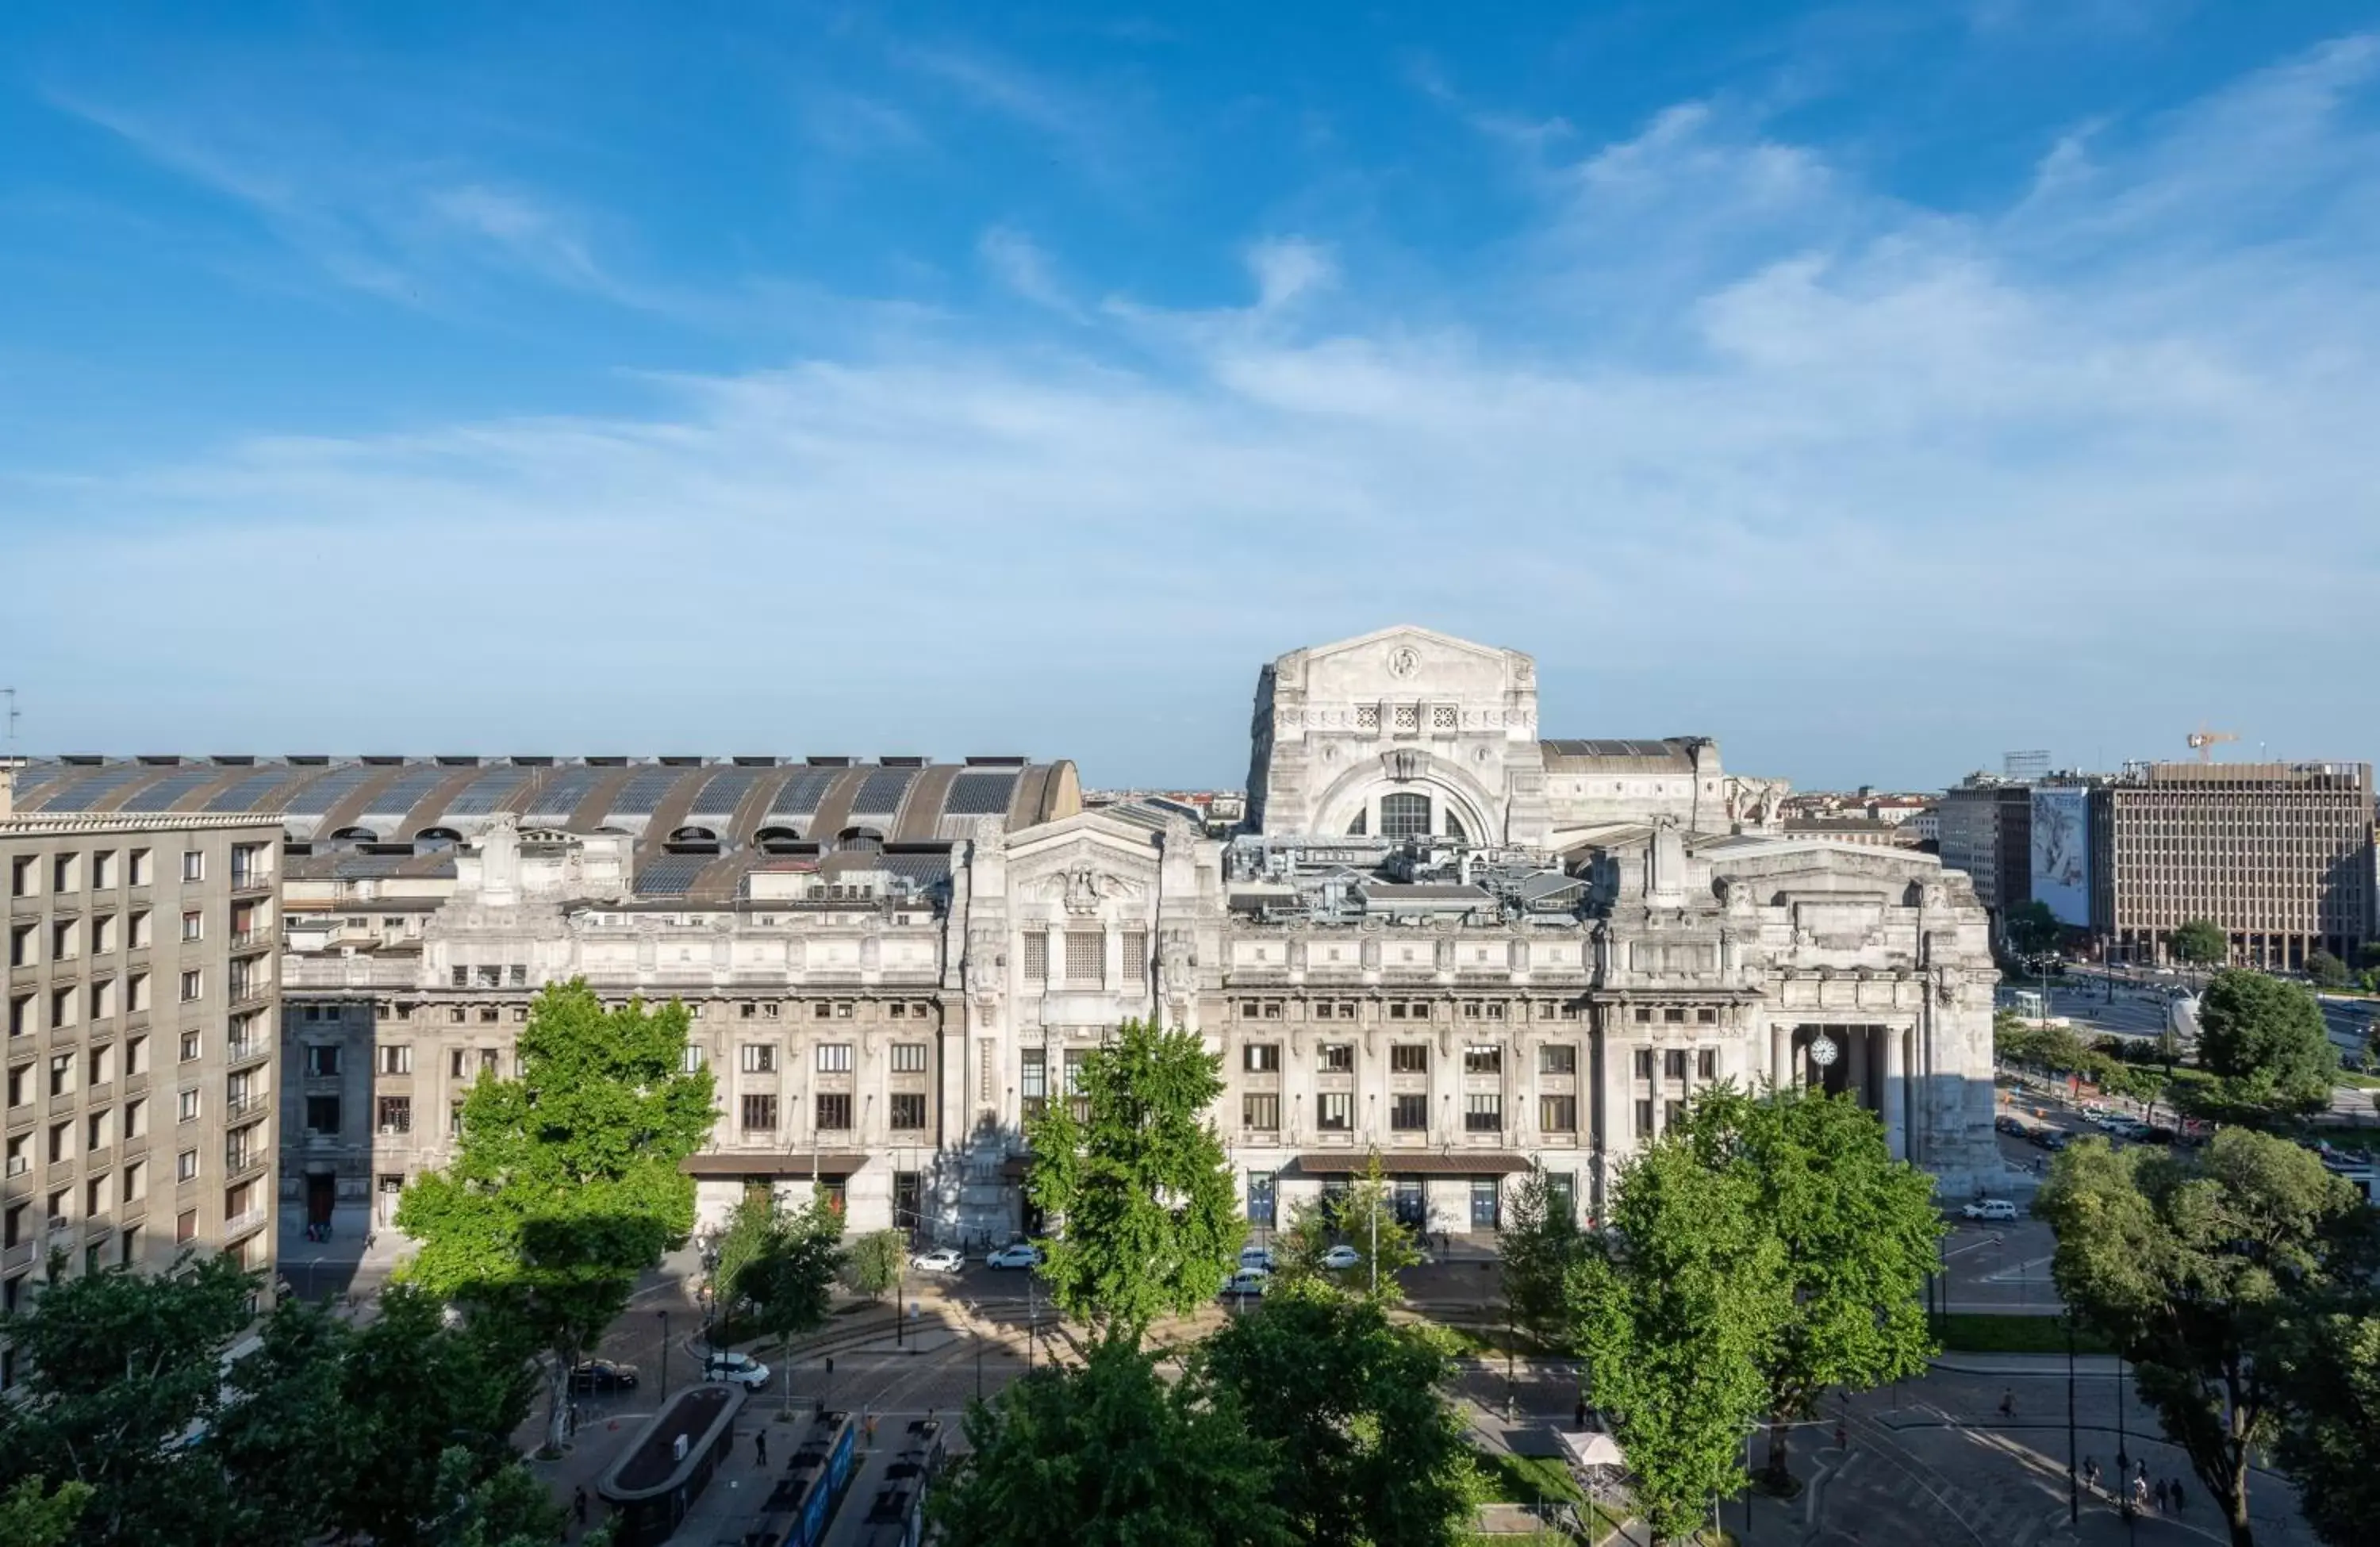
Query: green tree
x=2196 y=1267
x=2367 y=956
x=2200 y=942
x=30 y=1518
x=1110 y=1455
x=509 y=1508
x=1365 y=1218
x=790 y=1285
x=874 y=1262
x=2265 y=1040
x=2333 y=1383
x=1352 y=1404
x=1139 y=1183
x=749 y=1226
x=2325 y=970
x=411 y=1388
x=566 y=1183
x=2033 y=930
x=1540 y=1242
x=1857 y=1233
x=1674 y=1313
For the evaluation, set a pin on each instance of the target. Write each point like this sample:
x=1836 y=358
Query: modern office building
x=2278 y=854
x=1436 y=933
x=1985 y=828
x=143 y=1009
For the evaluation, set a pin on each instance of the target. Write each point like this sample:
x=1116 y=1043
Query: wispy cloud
x=1836 y=449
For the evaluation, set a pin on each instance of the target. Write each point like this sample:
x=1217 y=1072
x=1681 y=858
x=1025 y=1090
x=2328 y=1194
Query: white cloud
x=1873 y=491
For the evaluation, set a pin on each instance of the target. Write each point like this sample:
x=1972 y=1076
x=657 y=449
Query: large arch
x=1450 y=787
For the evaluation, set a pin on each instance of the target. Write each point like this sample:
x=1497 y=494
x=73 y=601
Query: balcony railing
x=241 y=1224
x=236 y=1107
x=238 y=1158
x=239 y=1050
x=250 y=878
x=242 y=940
x=250 y=993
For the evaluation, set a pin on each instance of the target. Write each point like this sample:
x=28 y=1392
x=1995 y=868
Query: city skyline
x=1872 y=392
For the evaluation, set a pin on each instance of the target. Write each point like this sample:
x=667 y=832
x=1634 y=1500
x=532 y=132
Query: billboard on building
x=2061 y=852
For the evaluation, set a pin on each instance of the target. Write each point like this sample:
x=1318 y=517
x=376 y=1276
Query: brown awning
x=1015 y=1168
x=1473 y=1163
x=774 y=1162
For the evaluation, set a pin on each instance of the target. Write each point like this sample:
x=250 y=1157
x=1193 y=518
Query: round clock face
x=1823 y=1052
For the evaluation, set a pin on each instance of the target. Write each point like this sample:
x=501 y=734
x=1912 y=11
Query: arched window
x=1454 y=827
x=1361 y=825
x=1404 y=816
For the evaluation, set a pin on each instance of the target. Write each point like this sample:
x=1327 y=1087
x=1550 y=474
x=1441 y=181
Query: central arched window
x=1361 y=827
x=1454 y=827
x=1404 y=816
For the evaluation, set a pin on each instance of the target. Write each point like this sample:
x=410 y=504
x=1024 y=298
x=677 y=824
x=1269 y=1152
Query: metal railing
x=241 y=1224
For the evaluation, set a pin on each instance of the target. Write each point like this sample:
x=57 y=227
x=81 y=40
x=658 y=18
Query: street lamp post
x=2073 y=1476
x=663 y=1313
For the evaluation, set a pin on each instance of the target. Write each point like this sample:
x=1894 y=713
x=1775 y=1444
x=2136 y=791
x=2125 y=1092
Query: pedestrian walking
x=2091 y=1473
x=2173 y=1492
x=760 y=1447
x=578 y=1505
x=2008 y=1403
x=1578 y=1415
x=867 y=1423
x=1842 y=1438
x=2157 y=1492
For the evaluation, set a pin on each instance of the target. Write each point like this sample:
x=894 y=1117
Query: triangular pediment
x=1384 y=641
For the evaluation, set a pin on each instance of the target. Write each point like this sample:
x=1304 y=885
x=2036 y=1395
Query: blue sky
x=1875 y=387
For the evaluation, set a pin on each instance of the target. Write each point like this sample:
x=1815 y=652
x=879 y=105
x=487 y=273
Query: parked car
x=1341 y=1256
x=1990 y=1209
x=743 y=1370
x=2007 y=1123
x=1257 y=1257
x=1018 y=1254
x=2047 y=1139
x=940 y=1259
x=601 y=1377
x=1247 y=1280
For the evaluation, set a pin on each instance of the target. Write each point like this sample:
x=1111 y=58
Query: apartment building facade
x=2278 y=854
x=143 y=1020
x=1984 y=829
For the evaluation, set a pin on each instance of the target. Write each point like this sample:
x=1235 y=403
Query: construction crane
x=2204 y=741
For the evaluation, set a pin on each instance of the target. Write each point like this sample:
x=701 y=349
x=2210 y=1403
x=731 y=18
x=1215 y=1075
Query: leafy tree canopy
x=2265 y=1040
x=2326 y=970
x=1540 y=1241
x=1139 y=1183
x=789 y=1282
x=875 y=1261
x=2201 y=942
x=2333 y=1437
x=566 y=1183
x=30 y=1518
x=2033 y=930
x=1110 y=1455
x=2195 y=1266
x=1371 y=1450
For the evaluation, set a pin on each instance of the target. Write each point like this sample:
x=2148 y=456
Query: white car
x=1341 y=1256
x=1990 y=1208
x=1247 y=1280
x=1021 y=1254
x=1257 y=1257
x=940 y=1259
x=741 y=1369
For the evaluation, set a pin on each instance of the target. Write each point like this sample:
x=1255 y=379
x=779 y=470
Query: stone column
x=1780 y=1055
x=1896 y=1095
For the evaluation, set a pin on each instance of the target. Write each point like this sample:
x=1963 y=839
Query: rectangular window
x=908 y=1110
x=62 y=874
x=760 y=1114
x=1673 y=1062
x=517 y=975
x=1409 y=1058
x=322 y=1059
x=396 y=1058
x=1558 y=1058
x=1706 y=1015
x=193 y=985
x=190 y=1049
x=908 y=1058
x=187 y=1107
x=759 y=1058
x=689 y=1057
x=137 y=871
x=1334 y=1111
x=22 y=870
x=23 y=949
x=21 y=1019
x=1674 y=1015
x=1135 y=956
x=1643 y=1063
x=1087 y=957
x=136 y=1119
x=62 y=941
x=62 y=1069
x=1336 y=1058
x=1261 y=1057
x=63 y=1005
x=1558 y=1113
x=454 y=1119
x=323 y=1115
x=459 y=977
x=194 y=865
x=1706 y=1063
x=194 y=925
x=102 y=935
x=1260 y=1111
x=1644 y=1118
x=1033 y=1080
x=395 y=1114
x=1483 y=1111
x=834 y=1110
x=834 y=1058
x=1037 y=957
x=1484 y=1059
x=1409 y=1113
x=186 y=1168
x=1672 y=1113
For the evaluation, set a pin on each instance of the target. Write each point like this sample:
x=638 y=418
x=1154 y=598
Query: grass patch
x=1526 y=1479
x=1971 y=1332
x=2360 y=1081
